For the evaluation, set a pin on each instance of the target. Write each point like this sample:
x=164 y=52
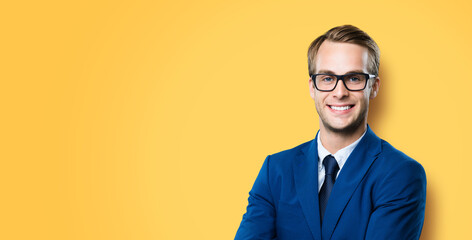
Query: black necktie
x=331 y=169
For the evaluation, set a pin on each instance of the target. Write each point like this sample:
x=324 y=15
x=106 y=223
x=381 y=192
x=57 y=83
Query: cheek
x=367 y=93
x=318 y=99
x=320 y=96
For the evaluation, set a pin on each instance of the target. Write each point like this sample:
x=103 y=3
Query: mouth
x=341 y=108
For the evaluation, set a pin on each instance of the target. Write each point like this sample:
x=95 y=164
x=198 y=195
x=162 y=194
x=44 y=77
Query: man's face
x=342 y=110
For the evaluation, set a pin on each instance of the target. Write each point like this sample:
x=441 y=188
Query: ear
x=312 y=88
x=375 y=88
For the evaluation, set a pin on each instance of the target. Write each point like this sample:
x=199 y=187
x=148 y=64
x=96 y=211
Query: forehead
x=341 y=58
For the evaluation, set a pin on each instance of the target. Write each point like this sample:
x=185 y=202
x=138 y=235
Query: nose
x=340 y=90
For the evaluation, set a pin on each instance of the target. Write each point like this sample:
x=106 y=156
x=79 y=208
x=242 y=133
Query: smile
x=341 y=108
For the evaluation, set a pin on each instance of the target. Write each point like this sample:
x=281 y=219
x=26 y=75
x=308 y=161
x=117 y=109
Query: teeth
x=340 y=108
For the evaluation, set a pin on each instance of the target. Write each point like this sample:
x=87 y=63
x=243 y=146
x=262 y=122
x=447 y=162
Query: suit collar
x=305 y=169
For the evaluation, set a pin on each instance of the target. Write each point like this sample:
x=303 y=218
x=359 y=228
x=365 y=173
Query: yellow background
x=151 y=119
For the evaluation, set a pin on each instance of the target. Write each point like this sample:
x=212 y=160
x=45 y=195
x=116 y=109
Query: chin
x=348 y=128
x=339 y=129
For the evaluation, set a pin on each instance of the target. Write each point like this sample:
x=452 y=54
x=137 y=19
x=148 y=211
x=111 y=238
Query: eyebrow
x=332 y=73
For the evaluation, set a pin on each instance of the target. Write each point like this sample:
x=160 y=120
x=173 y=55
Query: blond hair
x=346 y=34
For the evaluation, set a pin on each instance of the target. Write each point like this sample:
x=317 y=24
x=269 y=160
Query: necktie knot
x=331 y=165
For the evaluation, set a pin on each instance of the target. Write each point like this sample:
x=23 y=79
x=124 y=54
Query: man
x=346 y=183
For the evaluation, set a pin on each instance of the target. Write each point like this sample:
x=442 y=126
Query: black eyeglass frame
x=341 y=77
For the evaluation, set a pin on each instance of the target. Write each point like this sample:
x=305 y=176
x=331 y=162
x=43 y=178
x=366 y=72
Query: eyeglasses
x=352 y=81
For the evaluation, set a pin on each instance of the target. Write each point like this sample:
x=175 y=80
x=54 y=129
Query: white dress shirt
x=340 y=156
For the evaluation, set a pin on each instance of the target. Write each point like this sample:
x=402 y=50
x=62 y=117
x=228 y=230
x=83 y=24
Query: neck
x=333 y=141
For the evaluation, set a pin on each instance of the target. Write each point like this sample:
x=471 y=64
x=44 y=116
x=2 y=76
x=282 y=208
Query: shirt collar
x=340 y=156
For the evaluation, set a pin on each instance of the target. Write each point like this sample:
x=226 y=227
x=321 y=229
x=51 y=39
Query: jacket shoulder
x=287 y=156
x=392 y=161
x=394 y=156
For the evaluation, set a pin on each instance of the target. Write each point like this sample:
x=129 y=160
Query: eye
x=355 y=78
x=326 y=78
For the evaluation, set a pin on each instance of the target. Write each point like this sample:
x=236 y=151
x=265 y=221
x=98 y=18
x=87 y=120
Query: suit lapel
x=349 y=178
x=305 y=168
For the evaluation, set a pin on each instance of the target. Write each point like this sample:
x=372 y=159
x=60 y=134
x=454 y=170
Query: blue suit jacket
x=380 y=193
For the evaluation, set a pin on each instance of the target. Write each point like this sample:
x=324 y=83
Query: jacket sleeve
x=259 y=220
x=399 y=204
